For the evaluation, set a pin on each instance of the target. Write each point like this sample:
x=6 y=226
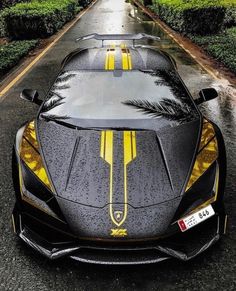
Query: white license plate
x=196 y=218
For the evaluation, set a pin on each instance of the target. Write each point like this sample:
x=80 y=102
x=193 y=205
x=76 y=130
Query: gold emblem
x=119 y=232
x=118 y=215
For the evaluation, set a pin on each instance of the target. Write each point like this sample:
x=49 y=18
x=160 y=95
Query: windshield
x=119 y=95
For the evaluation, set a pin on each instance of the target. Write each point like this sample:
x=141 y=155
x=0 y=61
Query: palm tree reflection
x=166 y=108
x=56 y=97
x=180 y=110
x=170 y=79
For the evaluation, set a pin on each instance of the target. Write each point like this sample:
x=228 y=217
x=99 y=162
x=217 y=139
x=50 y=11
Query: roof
x=118 y=58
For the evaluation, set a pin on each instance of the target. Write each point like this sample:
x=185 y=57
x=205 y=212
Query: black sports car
x=119 y=166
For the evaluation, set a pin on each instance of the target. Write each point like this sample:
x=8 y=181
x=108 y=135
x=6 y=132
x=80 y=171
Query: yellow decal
x=126 y=58
x=208 y=133
x=110 y=59
x=207 y=155
x=212 y=199
x=119 y=232
x=129 y=146
x=30 y=135
x=204 y=160
x=30 y=155
x=118 y=217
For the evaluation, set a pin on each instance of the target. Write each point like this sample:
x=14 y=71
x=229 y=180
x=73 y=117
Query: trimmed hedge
x=11 y=53
x=194 y=16
x=230 y=16
x=221 y=46
x=84 y=3
x=8 y=3
x=39 y=18
x=147 y=2
x=4 y=4
x=2 y=25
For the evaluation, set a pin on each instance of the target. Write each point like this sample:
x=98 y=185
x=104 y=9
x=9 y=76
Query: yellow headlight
x=29 y=153
x=207 y=153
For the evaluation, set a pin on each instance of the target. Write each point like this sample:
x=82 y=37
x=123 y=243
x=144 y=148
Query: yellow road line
x=18 y=77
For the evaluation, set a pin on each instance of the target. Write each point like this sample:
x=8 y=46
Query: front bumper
x=183 y=246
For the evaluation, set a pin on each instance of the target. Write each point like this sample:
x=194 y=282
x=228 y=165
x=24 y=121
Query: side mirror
x=31 y=95
x=206 y=95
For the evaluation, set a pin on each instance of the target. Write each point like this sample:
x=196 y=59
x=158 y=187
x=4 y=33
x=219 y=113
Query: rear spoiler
x=132 y=37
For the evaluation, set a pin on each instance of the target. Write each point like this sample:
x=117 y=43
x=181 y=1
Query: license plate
x=196 y=218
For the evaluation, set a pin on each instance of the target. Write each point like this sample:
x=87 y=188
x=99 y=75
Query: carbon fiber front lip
x=184 y=247
x=53 y=253
x=94 y=255
x=131 y=259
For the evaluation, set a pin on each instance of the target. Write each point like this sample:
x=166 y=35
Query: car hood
x=98 y=168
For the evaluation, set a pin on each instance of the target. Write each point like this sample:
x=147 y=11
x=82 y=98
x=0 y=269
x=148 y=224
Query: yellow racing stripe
x=110 y=58
x=129 y=155
x=106 y=152
x=126 y=58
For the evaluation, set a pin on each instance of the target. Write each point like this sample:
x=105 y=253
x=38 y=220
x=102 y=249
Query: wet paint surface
x=21 y=267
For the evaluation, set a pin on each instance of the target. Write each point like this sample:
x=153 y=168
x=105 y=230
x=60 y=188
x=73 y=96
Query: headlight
x=202 y=186
x=207 y=154
x=29 y=153
x=35 y=186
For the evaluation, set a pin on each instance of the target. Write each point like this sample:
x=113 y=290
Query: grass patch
x=11 y=53
x=221 y=46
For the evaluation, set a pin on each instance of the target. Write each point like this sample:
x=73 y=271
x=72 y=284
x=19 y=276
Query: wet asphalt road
x=22 y=269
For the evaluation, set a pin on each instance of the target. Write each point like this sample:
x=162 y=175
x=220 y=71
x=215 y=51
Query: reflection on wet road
x=221 y=110
x=20 y=267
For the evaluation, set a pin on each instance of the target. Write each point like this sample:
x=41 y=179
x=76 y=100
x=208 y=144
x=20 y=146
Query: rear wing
x=132 y=37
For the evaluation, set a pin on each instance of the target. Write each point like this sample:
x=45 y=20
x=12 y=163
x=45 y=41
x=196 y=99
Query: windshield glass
x=119 y=95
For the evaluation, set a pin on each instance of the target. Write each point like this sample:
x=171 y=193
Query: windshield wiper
x=60 y=120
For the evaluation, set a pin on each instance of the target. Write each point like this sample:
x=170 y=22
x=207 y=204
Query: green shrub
x=147 y=2
x=84 y=3
x=39 y=18
x=4 y=4
x=194 y=16
x=221 y=46
x=8 y=3
x=230 y=16
x=2 y=25
x=11 y=53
